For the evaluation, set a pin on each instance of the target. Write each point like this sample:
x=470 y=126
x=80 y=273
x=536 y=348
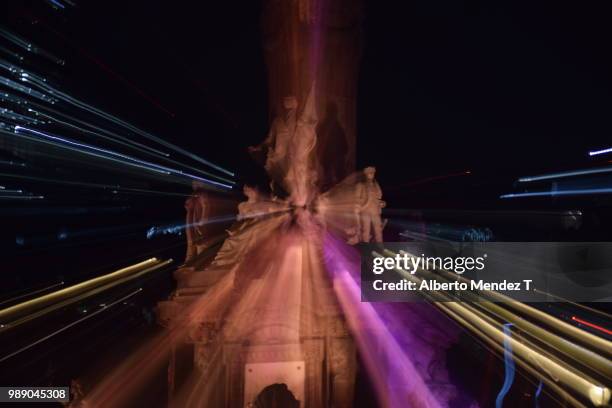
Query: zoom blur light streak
x=376 y=344
x=45 y=87
x=598 y=152
x=29 y=294
x=41 y=301
x=180 y=227
x=598 y=345
x=116 y=138
x=12 y=163
x=29 y=46
x=114 y=188
x=483 y=319
x=509 y=368
x=39 y=88
x=62 y=303
x=21 y=197
x=592 y=325
x=565 y=174
x=60 y=142
x=26 y=90
x=118 y=157
x=557 y=193
x=66 y=327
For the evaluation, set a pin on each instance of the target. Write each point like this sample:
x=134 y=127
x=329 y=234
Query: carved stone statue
x=250 y=206
x=198 y=211
x=257 y=204
x=242 y=233
x=279 y=137
x=290 y=144
x=352 y=208
x=240 y=236
x=301 y=174
x=370 y=205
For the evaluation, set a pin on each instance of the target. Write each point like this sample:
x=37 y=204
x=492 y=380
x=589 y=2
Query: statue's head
x=250 y=191
x=290 y=102
x=197 y=186
x=369 y=172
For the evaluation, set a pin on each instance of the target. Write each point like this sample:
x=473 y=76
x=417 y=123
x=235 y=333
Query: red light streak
x=592 y=325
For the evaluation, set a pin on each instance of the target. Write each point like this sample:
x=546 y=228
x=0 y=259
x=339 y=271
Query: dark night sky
x=506 y=86
x=500 y=88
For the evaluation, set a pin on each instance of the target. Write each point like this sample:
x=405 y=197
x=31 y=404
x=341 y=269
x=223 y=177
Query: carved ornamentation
x=204 y=332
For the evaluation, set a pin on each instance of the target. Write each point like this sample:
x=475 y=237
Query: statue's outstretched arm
x=309 y=113
x=269 y=140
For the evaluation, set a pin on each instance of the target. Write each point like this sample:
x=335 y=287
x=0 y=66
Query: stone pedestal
x=315 y=357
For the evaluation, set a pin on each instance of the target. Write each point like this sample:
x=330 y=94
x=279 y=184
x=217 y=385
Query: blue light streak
x=27 y=90
x=597 y=152
x=21 y=197
x=126 y=159
x=30 y=47
x=69 y=142
x=509 y=368
x=178 y=228
x=91 y=126
x=566 y=174
x=41 y=83
x=67 y=98
x=537 y=395
x=57 y=3
x=586 y=191
x=126 y=142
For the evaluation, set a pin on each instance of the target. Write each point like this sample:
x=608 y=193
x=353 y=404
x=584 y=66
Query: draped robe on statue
x=290 y=143
x=301 y=174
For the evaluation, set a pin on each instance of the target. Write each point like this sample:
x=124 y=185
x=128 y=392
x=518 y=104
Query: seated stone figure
x=255 y=205
x=241 y=234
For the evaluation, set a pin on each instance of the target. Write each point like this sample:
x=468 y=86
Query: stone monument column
x=317 y=40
